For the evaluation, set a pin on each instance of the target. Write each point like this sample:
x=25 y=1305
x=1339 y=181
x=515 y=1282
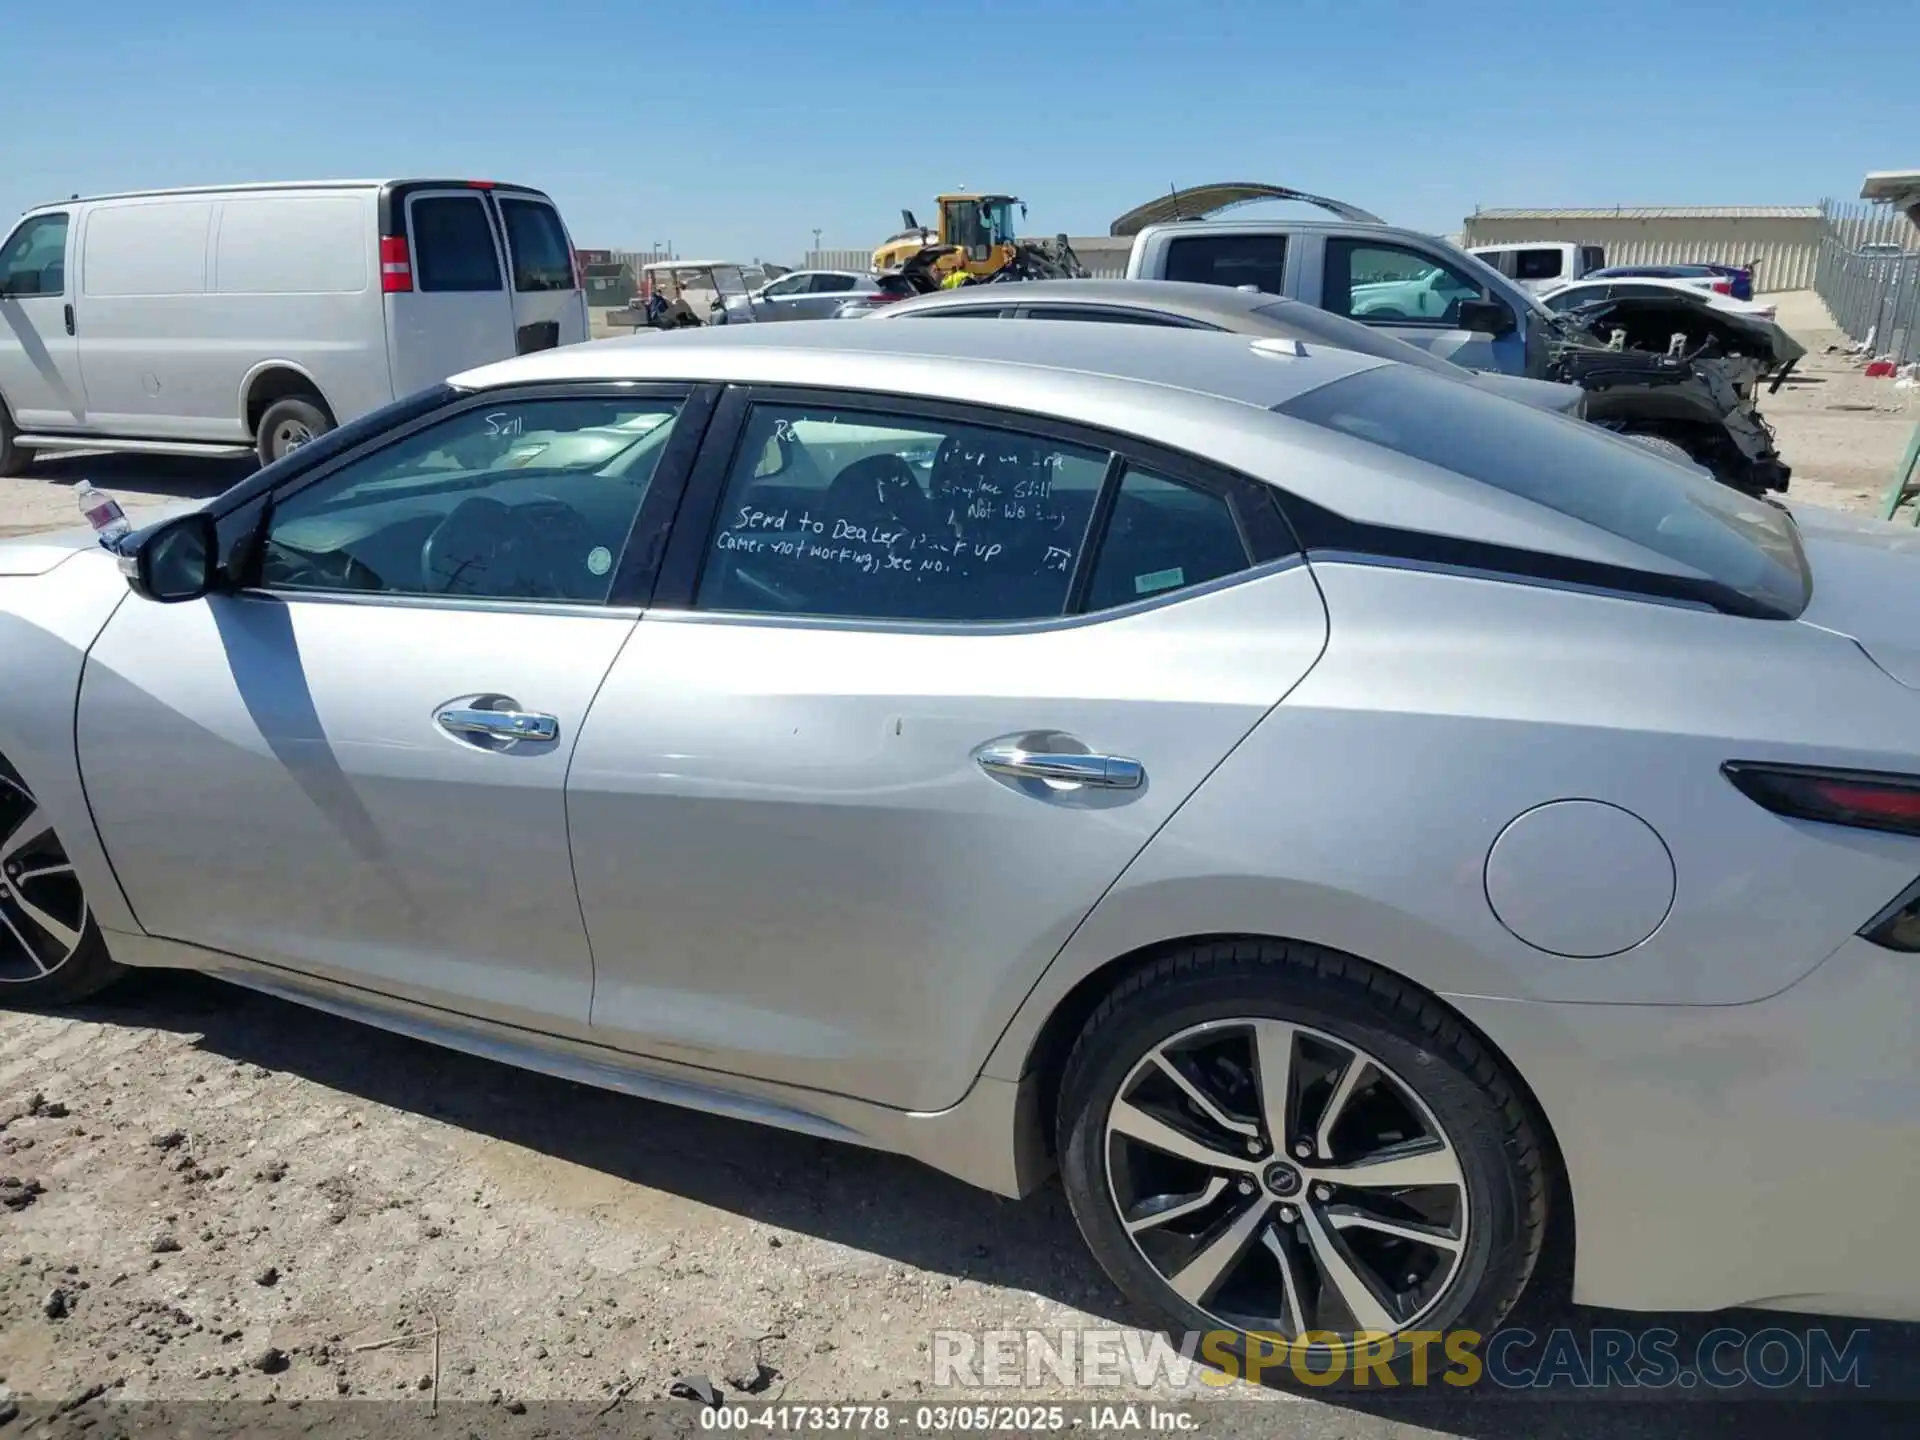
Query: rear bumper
x=1764 y=1154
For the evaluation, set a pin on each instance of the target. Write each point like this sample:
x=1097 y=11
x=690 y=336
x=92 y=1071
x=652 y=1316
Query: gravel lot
x=218 y=1196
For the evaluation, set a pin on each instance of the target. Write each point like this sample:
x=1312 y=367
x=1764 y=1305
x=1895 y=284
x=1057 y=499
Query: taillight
x=1863 y=799
x=1723 y=287
x=396 y=264
x=579 y=274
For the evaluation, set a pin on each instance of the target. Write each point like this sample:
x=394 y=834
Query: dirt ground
x=212 y=1195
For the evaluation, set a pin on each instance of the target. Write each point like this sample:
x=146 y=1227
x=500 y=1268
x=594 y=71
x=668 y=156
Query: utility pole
x=816 y=240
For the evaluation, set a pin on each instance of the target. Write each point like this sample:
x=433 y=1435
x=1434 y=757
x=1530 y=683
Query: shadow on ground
x=156 y=477
x=899 y=1209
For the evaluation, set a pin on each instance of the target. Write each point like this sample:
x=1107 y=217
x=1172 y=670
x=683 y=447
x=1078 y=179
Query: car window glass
x=1380 y=282
x=1230 y=260
x=1111 y=317
x=1636 y=292
x=453 y=244
x=1536 y=265
x=831 y=284
x=35 y=259
x=542 y=258
x=787 y=285
x=526 y=500
x=1162 y=536
x=1592 y=257
x=865 y=514
x=1580 y=470
x=957 y=312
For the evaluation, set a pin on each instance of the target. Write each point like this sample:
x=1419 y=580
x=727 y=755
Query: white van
x=213 y=321
x=1541 y=265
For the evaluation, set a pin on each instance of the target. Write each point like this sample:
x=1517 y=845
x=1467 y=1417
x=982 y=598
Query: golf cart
x=675 y=294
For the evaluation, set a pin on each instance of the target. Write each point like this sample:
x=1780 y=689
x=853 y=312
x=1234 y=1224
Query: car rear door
x=549 y=307
x=894 y=723
x=448 y=305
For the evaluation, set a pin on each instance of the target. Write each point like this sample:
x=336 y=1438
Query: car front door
x=352 y=765
x=459 y=313
x=893 y=724
x=1415 y=295
x=39 y=358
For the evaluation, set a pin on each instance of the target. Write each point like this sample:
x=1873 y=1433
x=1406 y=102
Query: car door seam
x=1326 y=640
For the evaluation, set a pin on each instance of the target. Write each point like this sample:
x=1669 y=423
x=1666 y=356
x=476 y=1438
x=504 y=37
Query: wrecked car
x=1678 y=370
x=1695 y=400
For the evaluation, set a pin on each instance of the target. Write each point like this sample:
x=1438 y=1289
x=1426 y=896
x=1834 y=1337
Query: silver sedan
x=1331 y=814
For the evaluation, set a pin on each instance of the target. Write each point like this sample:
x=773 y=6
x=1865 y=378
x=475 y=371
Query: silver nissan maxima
x=1331 y=814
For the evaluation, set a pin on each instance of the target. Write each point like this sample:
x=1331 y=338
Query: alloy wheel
x=43 y=907
x=1282 y=1181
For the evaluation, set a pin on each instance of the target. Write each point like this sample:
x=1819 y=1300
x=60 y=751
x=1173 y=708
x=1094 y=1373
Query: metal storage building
x=1784 y=240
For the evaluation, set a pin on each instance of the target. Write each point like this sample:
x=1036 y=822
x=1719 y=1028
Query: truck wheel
x=289 y=424
x=13 y=460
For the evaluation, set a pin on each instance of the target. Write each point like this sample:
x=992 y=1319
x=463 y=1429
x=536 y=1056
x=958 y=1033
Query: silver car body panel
x=274 y=792
x=270 y=777
x=791 y=866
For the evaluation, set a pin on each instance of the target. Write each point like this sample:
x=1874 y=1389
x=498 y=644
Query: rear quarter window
x=1735 y=543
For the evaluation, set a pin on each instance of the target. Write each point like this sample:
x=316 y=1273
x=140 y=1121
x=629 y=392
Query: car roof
x=991 y=364
x=269 y=186
x=1244 y=312
x=1175 y=297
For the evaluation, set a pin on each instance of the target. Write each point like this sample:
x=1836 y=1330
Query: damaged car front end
x=1677 y=370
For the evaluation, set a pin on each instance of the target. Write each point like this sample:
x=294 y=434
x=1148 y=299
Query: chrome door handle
x=1107 y=772
x=499 y=724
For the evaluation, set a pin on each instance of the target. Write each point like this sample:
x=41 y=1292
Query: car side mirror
x=174 y=561
x=1486 y=316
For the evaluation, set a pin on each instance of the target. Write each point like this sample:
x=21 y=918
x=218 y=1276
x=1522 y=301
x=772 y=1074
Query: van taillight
x=396 y=265
x=1723 y=287
x=579 y=275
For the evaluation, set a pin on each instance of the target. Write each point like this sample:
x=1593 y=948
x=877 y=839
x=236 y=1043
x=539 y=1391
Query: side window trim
x=640 y=555
x=1256 y=505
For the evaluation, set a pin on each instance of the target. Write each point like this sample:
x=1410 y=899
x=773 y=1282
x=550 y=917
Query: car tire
x=51 y=950
x=13 y=459
x=1238 y=1243
x=288 y=424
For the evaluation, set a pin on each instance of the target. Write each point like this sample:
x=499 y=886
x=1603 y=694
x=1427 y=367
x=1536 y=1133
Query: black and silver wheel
x=1278 y=1140
x=50 y=948
x=288 y=424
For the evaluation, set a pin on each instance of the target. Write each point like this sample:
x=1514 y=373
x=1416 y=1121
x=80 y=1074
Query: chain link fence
x=1868 y=275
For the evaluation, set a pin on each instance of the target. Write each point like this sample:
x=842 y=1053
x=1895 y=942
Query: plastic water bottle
x=103 y=513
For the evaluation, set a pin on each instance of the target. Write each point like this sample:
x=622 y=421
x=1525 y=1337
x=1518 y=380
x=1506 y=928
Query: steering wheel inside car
x=536 y=549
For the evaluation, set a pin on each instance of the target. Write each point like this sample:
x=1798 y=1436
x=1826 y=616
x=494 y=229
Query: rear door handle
x=498 y=724
x=1106 y=772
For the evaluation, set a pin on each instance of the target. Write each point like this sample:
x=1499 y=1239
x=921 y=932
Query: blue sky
x=736 y=128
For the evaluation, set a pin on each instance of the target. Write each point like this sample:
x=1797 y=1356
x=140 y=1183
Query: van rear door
x=549 y=306
x=448 y=307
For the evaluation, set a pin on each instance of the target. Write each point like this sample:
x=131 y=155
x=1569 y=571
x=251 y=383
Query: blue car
x=1734 y=280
